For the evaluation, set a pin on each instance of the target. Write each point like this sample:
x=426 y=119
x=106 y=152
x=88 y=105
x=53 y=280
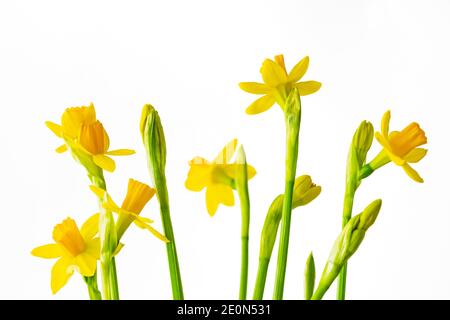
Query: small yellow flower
x=71 y=122
x=94 y=140
x=402 y=147
x=138 y=194
x=76 y=249
x=82 y=131
x=218 y=177
x=278 y=84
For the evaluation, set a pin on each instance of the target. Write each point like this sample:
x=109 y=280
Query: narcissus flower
x=138 y=194
x=278 y=83
x=83 y=133
x=218 y=177
x=400 y=147
x=77 y=249
x=71 y=121
x=94 y=140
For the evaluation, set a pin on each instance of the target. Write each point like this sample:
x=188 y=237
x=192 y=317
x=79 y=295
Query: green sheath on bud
x=155 y=147
x=361 y=143
x=310 y=276
x=346 y=245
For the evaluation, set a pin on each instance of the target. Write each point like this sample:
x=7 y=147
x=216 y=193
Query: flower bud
x=346 y=245
x=305 y=191
x=310 y=276
x=362 y=141
x=154 y=141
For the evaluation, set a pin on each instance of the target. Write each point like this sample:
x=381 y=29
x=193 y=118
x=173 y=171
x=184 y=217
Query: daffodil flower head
x=138 y=195
x=94 y=140
x=278 y=84
x=71 y=121
x=218 y=177
x=86 y=137
x=400 y=147
x=75 y=249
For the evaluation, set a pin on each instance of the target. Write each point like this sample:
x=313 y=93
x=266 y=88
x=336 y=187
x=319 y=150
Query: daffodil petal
x=61 y=273
x=86 y=264
x=254 y=87
x=413 y=174
x=385 y=144
x=308 y=87
x=416 y=155
x=138 y=222
x=48 y=251
x=93 y=247
x=121 y=152
x=231 y=170
x=104 y=162
x=55 y=128
x=198 y=176
x=61 y=148
x=273 y=74
x=118 y=249
x=146 y=220
x=262 y=104
x=251 y=172
x=226 y=153
x=216 y=194
x=299 y=70
x=90 y=228
x=99 y=192
x=385 y=123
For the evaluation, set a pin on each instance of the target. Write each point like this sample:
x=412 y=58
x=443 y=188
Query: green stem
x=244 y=270
x=261 y=277
x=108 y=244
x=291 y=167
x=91 y=282
x=174 y=268
x=244 y=198
x=346 y=216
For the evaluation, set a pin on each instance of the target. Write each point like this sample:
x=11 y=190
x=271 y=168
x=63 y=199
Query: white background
x=186 y=58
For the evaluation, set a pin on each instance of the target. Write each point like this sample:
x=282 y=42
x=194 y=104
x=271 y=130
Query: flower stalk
x=108 y=244
x=361 y=143
x=155 y=147
x=91 y=282
x=292 y=118
x=242 y=190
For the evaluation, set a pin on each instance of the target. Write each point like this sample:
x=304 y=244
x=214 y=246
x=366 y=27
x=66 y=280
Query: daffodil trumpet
x=346 y=245
x=292 y=118
x=305 y=191
x=155 y=146
x=76 y=250
x=220 y=178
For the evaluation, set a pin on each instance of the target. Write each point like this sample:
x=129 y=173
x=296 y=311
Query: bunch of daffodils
x=91 y=249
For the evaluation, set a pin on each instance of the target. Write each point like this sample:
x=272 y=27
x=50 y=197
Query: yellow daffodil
x=278 y=83
x=71 y=121
x=400 y=147
x=76 y=249
x=81 y=131
x=138 y=194
x=218 y=177
x=94 y=140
